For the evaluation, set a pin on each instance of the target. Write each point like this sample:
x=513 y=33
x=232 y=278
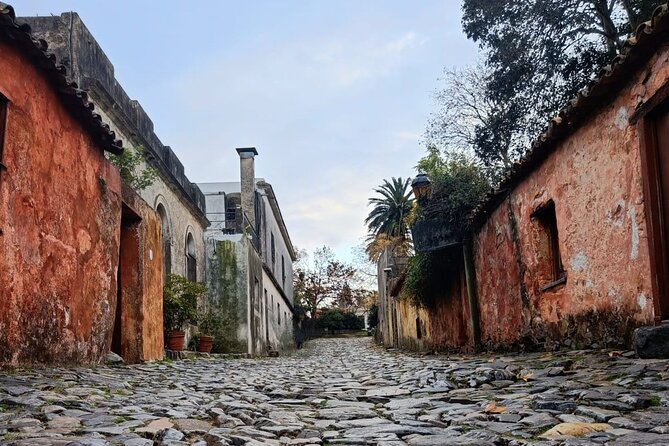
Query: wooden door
x=661 y=149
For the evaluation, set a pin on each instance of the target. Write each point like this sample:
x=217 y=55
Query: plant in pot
x=208 y=323
x=180 y=297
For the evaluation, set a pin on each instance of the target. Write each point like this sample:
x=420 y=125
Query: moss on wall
x=227 y=296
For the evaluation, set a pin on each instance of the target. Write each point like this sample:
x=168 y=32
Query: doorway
x=655 y=164
x=127 y=286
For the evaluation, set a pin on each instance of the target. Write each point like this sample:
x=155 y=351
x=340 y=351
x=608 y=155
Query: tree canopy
x=326 y=281
x=537 y=54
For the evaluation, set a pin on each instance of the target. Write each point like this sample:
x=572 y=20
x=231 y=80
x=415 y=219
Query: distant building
x=179 y=203
x=80 y=253
x=571 y=248
x=250 y=263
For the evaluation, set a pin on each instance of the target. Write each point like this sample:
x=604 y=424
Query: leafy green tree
x=459 y=184
x=538 y=54
x=324 y=281
x=130 y=165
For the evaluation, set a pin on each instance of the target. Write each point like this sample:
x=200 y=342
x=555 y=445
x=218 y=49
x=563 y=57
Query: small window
x=285 y=317
x=191 y=262
x=3 y=125
x=419 y=330
x=278 y=312
x=283 y=271
x=547 y=245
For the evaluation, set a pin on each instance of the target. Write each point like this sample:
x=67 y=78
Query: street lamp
x=422 y=188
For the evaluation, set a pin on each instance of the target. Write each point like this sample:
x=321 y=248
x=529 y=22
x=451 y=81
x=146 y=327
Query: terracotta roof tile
x=75 y=100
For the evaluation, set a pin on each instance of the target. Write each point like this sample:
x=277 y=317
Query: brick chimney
x=247 y=179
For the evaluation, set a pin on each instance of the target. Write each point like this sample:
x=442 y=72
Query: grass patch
x=655 y=400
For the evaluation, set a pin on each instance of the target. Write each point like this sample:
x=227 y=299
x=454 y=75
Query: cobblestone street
x=344 y=391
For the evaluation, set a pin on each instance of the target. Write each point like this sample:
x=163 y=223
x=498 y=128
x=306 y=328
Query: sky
x=335 y=95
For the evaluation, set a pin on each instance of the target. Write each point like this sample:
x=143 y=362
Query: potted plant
x=208 y=322
x=180 y=297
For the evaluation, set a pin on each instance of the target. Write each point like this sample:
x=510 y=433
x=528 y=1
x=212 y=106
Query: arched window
x=191 y=262
x=167 y=245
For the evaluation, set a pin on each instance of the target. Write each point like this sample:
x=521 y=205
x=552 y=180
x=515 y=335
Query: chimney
x=247 y=179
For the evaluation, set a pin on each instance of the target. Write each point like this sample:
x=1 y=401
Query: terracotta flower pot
x=175 y=340
x=205 y=343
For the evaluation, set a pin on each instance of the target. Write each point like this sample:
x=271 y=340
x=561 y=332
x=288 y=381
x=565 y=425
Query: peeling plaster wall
x=60 y=208
x=594 y=178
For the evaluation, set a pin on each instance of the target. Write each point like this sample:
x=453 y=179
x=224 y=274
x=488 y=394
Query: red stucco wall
x=60 y=218
x=594 y=178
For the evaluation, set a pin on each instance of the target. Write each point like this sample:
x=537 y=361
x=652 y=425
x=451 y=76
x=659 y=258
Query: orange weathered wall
x=60 y=213
x=594 y=178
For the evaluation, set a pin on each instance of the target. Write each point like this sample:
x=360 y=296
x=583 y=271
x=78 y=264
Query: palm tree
x=390 y=210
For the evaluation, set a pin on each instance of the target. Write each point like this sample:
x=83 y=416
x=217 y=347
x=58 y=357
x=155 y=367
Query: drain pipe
x=470 y=278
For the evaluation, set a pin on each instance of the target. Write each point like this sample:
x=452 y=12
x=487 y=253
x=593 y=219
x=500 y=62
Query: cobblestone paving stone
x=344 y=392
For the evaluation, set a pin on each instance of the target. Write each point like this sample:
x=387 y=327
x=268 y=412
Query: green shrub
x=180 y=297
x=336 y=319
x=373 y=318
x=128 y=164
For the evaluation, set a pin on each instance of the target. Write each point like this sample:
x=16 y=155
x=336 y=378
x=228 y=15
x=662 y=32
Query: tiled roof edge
x=637 y=50
x=74 y=99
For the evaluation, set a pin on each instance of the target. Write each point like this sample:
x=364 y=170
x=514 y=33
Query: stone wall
x=60 y=212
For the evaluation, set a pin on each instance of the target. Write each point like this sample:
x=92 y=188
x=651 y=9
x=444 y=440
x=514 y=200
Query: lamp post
x=422 y=188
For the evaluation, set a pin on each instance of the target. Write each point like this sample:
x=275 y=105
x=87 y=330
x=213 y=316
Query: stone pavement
x=344 y=392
